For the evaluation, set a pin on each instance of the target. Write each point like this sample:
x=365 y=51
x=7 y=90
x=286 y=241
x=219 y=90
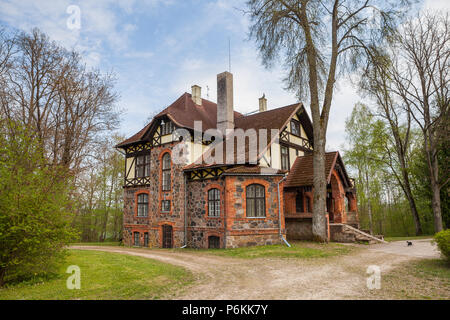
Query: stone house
x=175 y=196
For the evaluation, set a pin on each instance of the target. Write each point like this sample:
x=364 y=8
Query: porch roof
x=302 y=171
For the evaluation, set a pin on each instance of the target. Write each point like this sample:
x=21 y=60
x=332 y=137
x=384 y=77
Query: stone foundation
x=299 y=229
x=237 y=241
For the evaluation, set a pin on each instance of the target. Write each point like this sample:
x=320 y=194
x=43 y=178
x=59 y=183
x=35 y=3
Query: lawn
x=420 y=279
x=298 y=249
x=403 y=238
x=112 y=243
x=106 y=276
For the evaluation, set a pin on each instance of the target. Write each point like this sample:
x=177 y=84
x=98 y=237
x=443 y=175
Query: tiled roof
x=272 y=119
x=183 y=112
x=248 y=169
x=302 y=171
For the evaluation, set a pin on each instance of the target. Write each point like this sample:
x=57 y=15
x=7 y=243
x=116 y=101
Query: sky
x=158 y=49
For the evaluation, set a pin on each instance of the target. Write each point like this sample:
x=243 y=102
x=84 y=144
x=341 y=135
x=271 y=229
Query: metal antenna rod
x=229 y=55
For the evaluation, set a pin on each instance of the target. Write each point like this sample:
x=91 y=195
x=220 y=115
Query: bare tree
x=376 y=82
x=319 y=40
x=421 y=79
x=50 y=91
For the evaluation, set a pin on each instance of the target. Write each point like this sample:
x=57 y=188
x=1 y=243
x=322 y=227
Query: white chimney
x=197 y=94
x=225 y=112
x=263 y=103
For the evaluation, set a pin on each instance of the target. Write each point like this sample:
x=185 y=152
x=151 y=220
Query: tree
x=50 y=91
x=99 y=211
x=420 y=76
x=319 y=40
x=363 y=135
x=34 y=222
x=377 y=84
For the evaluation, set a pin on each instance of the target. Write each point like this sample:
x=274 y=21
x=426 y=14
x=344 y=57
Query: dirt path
x=342 y=277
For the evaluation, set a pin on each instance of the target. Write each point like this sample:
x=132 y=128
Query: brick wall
x=156 y=219
x=242 y=230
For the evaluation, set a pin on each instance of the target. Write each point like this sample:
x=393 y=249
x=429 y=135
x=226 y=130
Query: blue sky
x=158 y=49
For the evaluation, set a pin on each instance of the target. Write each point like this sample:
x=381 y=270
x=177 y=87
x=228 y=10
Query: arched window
x=142 y=205
x=166 y=172
x=214 y=203
x=256 y=201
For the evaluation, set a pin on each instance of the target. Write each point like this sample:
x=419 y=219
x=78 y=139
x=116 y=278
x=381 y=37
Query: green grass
x=106 y=276
x=298 y=249
x=437 y=268
x=419 y=279
x=390 y=239
x=112 y=243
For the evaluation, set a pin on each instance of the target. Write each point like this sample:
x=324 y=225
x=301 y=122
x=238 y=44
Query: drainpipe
x=279 y=213
x=185 y=211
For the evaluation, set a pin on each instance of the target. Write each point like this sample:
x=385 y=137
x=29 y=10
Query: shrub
x=442 y=239
x=34 y=220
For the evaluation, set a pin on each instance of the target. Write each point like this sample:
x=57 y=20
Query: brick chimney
x=197 y=94
x=225 y=112
x=263 y=103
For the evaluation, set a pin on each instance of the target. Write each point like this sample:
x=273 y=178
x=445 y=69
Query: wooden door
x=167 y=236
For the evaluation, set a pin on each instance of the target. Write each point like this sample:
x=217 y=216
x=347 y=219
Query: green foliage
x=34 y=222
x=99 y=197
x=442 y=240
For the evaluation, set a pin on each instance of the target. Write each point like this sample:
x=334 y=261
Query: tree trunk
x=369 y=206
x=319 y=223
x=436 y=198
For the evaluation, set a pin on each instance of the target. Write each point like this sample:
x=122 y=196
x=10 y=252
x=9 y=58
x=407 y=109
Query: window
x=166 y=172
x=285 y=158
x=295 y=128
x=165 y=205
x=146 y=239
x=142 y=203
x=166 y=127
x=136 y=239
x=142 y=166
x=299 y=202
x=256 y=202
x=308 y=204
x=214 y=203
x=213 y=242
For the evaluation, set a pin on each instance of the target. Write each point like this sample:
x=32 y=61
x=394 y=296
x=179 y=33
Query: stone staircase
x=341 y=232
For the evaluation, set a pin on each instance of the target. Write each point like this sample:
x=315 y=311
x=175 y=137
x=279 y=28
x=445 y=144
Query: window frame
x=296 y=124
x=142 y=204
x=167 y=128
x=144 y=166
x=255 y=199
x=214 y=203
x=163 y=202
x=285 y=157
x=166 y=183
x=299 y=196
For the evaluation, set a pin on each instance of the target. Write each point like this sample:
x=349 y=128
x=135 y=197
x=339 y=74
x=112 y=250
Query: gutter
x=279 y=213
